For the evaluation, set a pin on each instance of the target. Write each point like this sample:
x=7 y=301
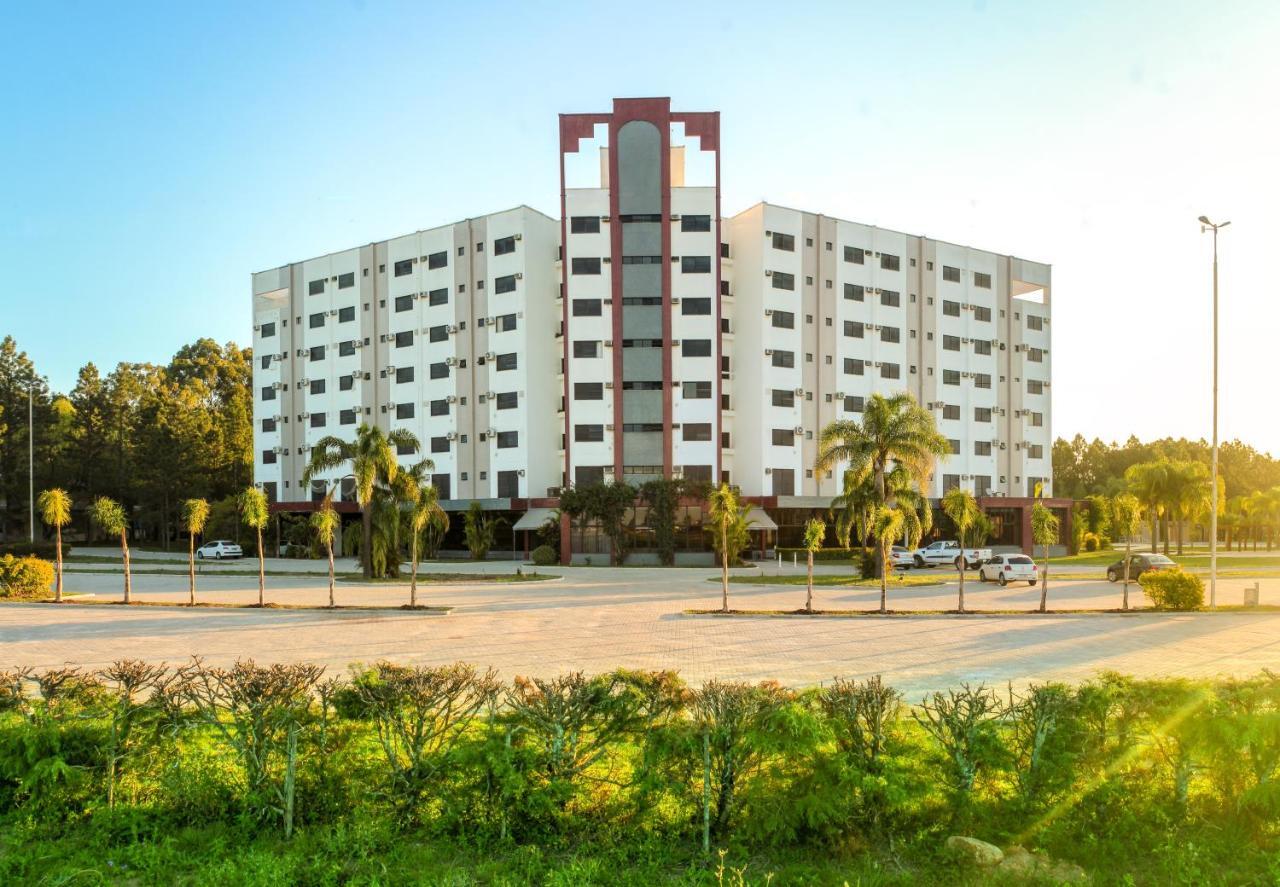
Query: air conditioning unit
x=302 y=352
x=877 y=363
x=1003 y=445
x=768 y=352
x=675 y=343
x=608 y=385
x=839 y=395
x=277 y=385
x=382 y=338
x=768 y=273
x=276 y=418
x=799 y=429
x=453 y=328
x=452 y=435
x=608 y=343
x=333 y=312
x=675 y=301
x=302 y=383
x=799 y=392
x=768 y=471
x=608 y=428
x=257 y=327
x=452 y=398
x=964 y=341
x=489 y=355
x=277 y=450
x=281 y=356
x=768 y=312
x=357 y=344
x=390 y=369
x=519 y=236
x=451 y=361
x=305 y=416
x=519 y=275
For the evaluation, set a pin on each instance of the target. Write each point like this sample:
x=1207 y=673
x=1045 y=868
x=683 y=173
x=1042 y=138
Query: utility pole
x=1213 y=482
x=31 y=462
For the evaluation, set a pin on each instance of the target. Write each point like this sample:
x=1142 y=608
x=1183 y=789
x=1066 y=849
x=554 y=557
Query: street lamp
x=1206 y=225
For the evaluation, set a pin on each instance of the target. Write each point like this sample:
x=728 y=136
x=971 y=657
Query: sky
x=153 y=156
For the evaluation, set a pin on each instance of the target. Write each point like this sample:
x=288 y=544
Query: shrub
x=1173 y=589
x=27 y=578
x=45 y=550
x=839 y=555
x=544 y=555
x=1091 y=542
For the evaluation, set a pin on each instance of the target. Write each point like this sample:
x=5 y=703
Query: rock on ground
x=974 y=851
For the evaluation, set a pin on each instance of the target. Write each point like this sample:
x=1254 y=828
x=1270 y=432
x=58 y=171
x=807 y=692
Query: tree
x=373 y=462
x=814 y=532
x=1149 y=482
x=109 y=515
x=1189 y=495
x=608 y=505
x=195 y=514
x=1126 y=516
x=55 y=511
x=887 y=525
x=729 y=526
x=425 y=513
x=326 y=523
x=1044 y=531
x=662 y=497
x=478 y=531
x=255 y=513
x=963 y=510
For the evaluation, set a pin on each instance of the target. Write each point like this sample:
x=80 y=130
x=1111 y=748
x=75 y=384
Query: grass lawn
x=849 y=581
x=445 y=578
x=1232 y=559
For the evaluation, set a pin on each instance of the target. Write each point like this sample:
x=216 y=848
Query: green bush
x=1173 y=589
x=839 y=555
x=46 y=550
x=544 y=556
x=25 y=578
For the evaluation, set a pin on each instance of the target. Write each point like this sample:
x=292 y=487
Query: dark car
x=1139 y=564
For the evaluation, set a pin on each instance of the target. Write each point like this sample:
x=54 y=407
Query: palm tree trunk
x=128 y=585
x=962 y=580
x=724 y=566
x=191 y=570
x=884 y=582
x=57 y=594
x=1164 y=534
x=1044 y=581
x=329 y=546
x=808 y=601
x=262 y=573
x=1180 y=524
x=1155 y=533
x=366 y=541
x=1127 y=548
x=413 y=576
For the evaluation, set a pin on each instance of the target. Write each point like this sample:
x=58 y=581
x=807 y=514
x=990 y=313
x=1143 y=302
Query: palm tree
x=895 y=432
x=373 y=461
x=424 y=512
x=814 y=532
x=728 y=518
x=887 y=525
x=326 y=522
x=1044 y=531
x=55 y=511
x=256 y=513
x=195 y=514
x=109 y=515
x=963 y=510
x=1126 y=516
x=1149 y=482
x=1188 y=494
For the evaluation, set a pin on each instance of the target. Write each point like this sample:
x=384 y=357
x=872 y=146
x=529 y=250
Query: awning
x=534 y=518
x=758 y=520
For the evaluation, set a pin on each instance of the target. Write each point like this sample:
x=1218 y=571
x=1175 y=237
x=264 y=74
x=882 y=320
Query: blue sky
x=154 y=155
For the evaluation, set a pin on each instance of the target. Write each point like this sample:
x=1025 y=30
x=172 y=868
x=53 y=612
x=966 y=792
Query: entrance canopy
x=534 y=518
x=758 y=520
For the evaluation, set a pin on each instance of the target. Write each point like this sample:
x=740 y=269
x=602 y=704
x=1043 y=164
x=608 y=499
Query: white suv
x=1006 y=568
x=219 y=549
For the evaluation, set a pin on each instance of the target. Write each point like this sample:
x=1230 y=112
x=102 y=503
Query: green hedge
x=544 y=556
x=1173 y=589
x=843 y=555
x=46 y=550
x=25 y=578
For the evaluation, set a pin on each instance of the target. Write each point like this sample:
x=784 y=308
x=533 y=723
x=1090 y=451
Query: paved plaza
x=594 y=619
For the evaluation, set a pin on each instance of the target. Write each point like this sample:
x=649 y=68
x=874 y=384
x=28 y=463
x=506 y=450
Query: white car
x=901 y=558
x=1006 y=568
x=218 y=549
x=948 y=552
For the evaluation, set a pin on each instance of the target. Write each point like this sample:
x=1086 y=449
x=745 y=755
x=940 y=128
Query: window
x=950 y=377
x=695 y=264
x=890 y=299
x=268 y=457
x=953 y=446
x=317 y=420
x=695 y=306
x=438 y=297
x=853 y=329
x=950 y=273
x=1035 y=451
x=853 y=254
x=641 y=386
x=855 y=292
x=504 y=245
x=404 y=374
x=784 y=358
x=1035 y=386
x=403 y=267
x=268 y=426
x=1037 y=420
x=315 y=287
x=585 y=266
x=950 y=309
x=317 y=352
x=316 y=320
x=982 y=485
x=696 y=347
x=440 y=444
x=982 y=380
x=404 y=411
x=784 y=320
x=346 y=281
x=890 y=371
x=438 y=260
x=506 y=362
x=982 y=313
x=346 y=417
x=439 y=407
x=950 y=482
x=853 y=366
x=404 y=338
x=508 y=484
x=982 y=414
x=982 y=448
x=950 y=343
x=584 y=225
x=587 y=307
x=784 y=482
x=853 y=403
x=346 y=349
x=951 y=411
x=981 y=346
x=508 y=439
x=506 y=400
x=504 y=284
x=266 y=361
x=347 y=314
x=505 y=323
x=890 y=262
x=783 y=281
x=404 y=303
x=346 y=383
x=784 y=397
x=784 y=437
x=695 y=223
x=783 y=241
x=588 y=391
x=268 y=330
x=317 y=386
x=696 y=390
x=586 y=349
x=890 y=334
x=439 y=333
x=439 y=370
x=1035 y=322
x=642 y=260
x=642 y=427
x=1035 y=355
x=696 y=432
x=982 y=281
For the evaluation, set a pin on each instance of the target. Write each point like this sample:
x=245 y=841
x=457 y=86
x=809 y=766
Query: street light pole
x=31 y=464
x=1205 y=224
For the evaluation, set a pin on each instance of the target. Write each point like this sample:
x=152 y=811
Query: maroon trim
x=713 y=138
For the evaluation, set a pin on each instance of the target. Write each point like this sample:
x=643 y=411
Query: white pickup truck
x=948 y=551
